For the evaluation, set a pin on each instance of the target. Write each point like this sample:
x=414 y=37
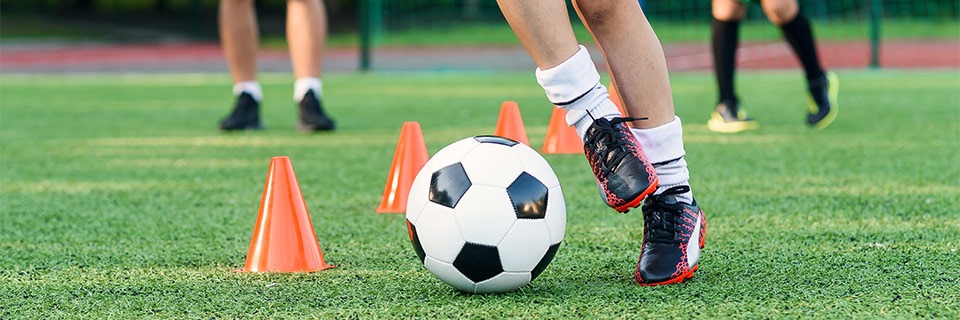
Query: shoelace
x=661 y=219
x=609 y=140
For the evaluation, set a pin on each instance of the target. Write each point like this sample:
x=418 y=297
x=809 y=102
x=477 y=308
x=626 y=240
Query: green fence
x=687 y=20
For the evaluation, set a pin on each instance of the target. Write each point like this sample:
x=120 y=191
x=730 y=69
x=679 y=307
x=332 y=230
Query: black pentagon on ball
x=415 y=240
x=496 y=139
x=529 y=197
x=448 y=185
x=552 y=251
x=478 y=262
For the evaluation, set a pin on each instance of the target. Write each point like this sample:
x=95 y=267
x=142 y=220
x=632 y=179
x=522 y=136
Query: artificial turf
x=121 y=199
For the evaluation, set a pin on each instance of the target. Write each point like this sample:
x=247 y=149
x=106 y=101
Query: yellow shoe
x=726 y=120
x=823 y=109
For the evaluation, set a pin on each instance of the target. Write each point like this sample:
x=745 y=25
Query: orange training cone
x=283 y=238
x=561 y=138
x=409 y=157
x=510 y=123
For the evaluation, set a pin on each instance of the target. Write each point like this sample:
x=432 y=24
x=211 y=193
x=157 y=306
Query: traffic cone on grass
x=561 y=138
x=510 y=123
x=410 y=156
x=283 y=238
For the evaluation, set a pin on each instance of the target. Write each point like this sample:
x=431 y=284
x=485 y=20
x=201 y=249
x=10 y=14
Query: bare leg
x=780 y=11
x=638 y=65
x=548 y=38
x=625 y=174
x=239 y=38
x=728 y=10
x=635 y=58
x=306 y=36
x=626 y=162
x=564 y=69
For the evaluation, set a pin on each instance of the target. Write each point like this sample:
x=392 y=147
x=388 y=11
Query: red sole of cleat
x=684 y=276
x=636 y=202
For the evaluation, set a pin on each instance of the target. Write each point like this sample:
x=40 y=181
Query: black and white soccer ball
x=486 y=214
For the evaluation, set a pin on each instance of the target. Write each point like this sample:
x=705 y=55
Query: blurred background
x=389 y=35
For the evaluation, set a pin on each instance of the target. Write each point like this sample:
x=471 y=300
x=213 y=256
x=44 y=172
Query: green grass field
x=120 y=199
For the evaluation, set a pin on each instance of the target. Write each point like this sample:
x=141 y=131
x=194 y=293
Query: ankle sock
x=251 y=87
x=663 y=146
x=574 y=85
x=304 y=85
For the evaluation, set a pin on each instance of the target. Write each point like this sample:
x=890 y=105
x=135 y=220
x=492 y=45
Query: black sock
x=725 y=41
x=800 y=36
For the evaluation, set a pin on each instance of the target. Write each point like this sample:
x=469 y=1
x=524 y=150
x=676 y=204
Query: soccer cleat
x=822 y=102
x=312 y=117
x=245 y=115
x=623 y=173
x=674 y=232
x=730 y=119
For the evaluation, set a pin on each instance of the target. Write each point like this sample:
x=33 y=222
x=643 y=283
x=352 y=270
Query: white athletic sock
x=304 y=85
x=663 y=146
x=574 y=85
x=251 y=87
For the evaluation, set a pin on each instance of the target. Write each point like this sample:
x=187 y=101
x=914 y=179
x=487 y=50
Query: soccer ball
x=486 y=214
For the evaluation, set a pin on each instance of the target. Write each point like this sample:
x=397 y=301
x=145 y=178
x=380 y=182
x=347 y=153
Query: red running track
x=207 y=57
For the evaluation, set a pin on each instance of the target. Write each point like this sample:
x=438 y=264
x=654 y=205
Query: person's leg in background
x=823 y=87
x=728 y=116
x=306 y=36
x=240 y=38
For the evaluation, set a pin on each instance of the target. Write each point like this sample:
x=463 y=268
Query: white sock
x=304 y=85
x=574 y=85
x=251 y=87
x=663 y=146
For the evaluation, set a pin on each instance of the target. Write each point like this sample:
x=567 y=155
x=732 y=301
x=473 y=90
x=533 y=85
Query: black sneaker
x=312 y=117
x=623 y=173
x=729 y=118
x=822 y=100
x=245 y=115
x=674 y=232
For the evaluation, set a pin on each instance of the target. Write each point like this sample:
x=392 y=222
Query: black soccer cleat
x=245 y=115
x=822 y=102
x=674 y=232
x=312 y=117
x=623 y=173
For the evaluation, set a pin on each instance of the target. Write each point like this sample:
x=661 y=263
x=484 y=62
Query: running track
x=207 y=57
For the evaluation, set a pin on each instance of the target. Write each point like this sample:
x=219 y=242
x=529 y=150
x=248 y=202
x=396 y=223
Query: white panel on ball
x=420 y=188
x=556 y=217
x=484 y=215
x=492 y=164
x=438 y=232
x=537 y=166
x=524 y=245
x=418 y=196
x=449 y=274
x=504 y=282
x=452 y=153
